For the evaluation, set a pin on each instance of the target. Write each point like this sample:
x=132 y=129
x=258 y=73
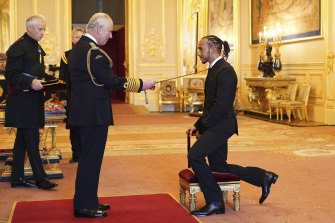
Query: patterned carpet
x=153 y=138
x=145 y=151
x=136 y=131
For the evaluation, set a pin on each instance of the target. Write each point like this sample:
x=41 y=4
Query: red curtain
x=115 y=48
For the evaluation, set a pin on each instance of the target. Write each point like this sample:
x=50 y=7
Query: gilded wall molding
x=330 y=62
x=50 y=46
x=158 y=65
x=4 y=26
x=57 y=38
x=153 y=44
x=153 y=47
x=13 y=22
x=149 y=23
x=196 y=6
x=157 y=76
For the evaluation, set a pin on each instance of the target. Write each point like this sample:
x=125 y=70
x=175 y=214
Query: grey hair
x=32 y=20
x=98 y=19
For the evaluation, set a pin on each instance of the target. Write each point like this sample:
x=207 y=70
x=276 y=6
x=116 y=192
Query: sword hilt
x=146 y=97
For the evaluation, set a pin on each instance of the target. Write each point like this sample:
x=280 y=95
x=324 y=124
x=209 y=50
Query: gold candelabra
x=266 y=64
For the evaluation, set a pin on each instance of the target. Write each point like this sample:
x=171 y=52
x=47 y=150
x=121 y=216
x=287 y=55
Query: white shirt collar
x=91 y=37
x=216 y=60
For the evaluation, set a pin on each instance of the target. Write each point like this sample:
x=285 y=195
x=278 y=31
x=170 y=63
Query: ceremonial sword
x=180 y=76
x=156 y=82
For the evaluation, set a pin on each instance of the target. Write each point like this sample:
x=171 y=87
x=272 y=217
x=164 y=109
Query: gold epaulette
x=132 y=84
x=93 y=47
x=64 y=59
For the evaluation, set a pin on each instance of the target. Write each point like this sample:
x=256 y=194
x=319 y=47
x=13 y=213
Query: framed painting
x=292 y=20
x=221 y=20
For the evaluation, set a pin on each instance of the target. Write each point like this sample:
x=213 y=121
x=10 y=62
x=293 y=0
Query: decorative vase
x=277 y=64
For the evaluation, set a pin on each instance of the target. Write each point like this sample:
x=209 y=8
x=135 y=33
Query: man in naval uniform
x=64 y=97
x=216 y=125
x=25 y=105
x=90 y=109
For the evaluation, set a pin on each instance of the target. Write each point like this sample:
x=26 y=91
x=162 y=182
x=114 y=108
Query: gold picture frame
x=221 y=20
x=299 y=20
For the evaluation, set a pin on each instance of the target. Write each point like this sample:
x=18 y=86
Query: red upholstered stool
x=226 y=181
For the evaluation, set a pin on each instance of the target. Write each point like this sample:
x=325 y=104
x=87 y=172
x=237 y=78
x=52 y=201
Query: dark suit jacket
x=24 y=106
x=220 y=90
x=90 y=104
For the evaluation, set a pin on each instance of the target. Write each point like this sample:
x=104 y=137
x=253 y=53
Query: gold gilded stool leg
x=182 y=195
x=192 y=199
x=224 y=194
x=236 y=200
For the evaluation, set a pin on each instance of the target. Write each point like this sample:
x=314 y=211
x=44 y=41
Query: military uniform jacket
x=24 y=106
x=220 y=90
x=64 y=74
x=91 y=78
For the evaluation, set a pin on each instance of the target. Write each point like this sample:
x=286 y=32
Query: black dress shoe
x=46 y=184
x=21 y=182
x=270 y=178
x=211 y=208
x=103 y=207
x=89 y=213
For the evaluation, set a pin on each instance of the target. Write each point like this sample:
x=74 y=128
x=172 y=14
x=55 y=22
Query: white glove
x=148 y=84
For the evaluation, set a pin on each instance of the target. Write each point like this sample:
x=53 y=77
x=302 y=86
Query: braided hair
x=218 y=43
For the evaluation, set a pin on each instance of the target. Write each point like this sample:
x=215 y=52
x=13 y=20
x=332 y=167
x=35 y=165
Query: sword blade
x=180 y=76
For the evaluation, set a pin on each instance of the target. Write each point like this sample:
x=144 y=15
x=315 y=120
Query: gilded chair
x=297 y=105
x=193 y=96
x=169 y=94
x=194 y=92
x=289 y=95
x=189 y=182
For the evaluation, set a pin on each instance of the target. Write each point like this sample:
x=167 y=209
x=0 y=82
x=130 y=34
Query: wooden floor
x=145 y=151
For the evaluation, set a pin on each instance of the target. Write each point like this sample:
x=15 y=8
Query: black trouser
x=93 y=141
x=214 y=146
x=75 y=142
x=74 y=135
x=27 y=139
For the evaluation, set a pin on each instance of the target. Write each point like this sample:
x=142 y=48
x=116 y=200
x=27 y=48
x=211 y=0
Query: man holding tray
x=25 y=105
